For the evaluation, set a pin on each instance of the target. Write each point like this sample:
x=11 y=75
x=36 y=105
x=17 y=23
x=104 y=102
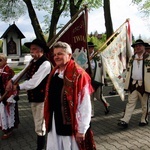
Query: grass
x=16 y=70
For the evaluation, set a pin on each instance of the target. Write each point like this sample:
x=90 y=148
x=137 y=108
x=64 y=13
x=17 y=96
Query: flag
x=76 y=36
x=115 y=58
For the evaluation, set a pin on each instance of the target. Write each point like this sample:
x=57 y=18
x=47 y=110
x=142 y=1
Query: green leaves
x=11 y=9
x=143 y=6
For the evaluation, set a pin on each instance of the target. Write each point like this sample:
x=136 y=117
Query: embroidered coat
x=9 y=117
x=6 y=74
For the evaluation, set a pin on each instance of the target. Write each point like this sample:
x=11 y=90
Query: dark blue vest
x=56 y=104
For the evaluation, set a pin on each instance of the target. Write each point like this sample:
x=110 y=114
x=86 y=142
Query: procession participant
x=98 y=79
x=34 y=84
x=147 y=49
x=9 y=118
x=137 y=83
x=67 y=103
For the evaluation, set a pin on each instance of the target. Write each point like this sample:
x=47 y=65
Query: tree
x=58 y=8
x=108 y=20
x=97 y=42
x=34 y=20
x=75 y=5
x=143 y=5
x=144 y=8
x=24 y=49
x=11 y=9
x=54 y=8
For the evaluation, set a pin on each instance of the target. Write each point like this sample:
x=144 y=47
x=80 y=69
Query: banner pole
x=96 y=53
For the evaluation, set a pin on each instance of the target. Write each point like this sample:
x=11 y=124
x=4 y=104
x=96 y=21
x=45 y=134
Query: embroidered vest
x=56 y=106
x=37 y=94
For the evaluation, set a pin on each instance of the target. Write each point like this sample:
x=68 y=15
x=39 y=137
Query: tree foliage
x=143 y=5
x=98 y=42
x=54 y=9
x=24 y=49
x=11 y=9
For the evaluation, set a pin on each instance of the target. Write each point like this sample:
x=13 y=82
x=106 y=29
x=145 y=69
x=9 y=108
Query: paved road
x=107 y=135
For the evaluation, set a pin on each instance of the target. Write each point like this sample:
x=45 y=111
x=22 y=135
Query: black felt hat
x=90 y=44
x=139 y=41
x=39 y=43
x=147 y=46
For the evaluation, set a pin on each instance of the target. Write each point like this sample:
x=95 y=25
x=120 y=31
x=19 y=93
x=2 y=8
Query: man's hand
x=9 y=86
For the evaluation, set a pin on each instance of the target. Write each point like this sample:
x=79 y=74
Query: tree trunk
x=108 y=20
x=74 y=8
x=34 y=21
x=57 y=11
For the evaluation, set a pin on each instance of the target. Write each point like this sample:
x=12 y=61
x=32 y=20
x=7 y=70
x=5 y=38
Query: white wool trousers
x=38 y=117
x=132 y=101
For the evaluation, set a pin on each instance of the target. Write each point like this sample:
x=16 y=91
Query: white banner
x=114 y=59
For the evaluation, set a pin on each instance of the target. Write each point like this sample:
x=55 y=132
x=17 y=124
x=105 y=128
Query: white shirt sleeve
x=18 y=74
x=83 y=113
x=36 y=79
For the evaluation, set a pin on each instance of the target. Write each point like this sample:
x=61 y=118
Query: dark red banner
x=76 y=37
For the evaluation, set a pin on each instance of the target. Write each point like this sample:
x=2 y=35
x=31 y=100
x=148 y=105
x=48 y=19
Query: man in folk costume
x=137 y=83
x=67 y=103
x=35 y=81
x=147 y=49
x=98 y=78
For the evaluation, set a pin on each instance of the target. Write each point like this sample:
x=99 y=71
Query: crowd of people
x=64 y=110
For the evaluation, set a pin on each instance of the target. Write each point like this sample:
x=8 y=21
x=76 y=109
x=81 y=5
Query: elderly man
x=36 y=77
x=137 y=83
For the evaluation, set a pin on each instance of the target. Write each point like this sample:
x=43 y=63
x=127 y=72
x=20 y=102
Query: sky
x=120 y=11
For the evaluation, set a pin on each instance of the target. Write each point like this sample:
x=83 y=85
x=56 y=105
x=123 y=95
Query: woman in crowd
x=67 y=103
x=9 y=118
